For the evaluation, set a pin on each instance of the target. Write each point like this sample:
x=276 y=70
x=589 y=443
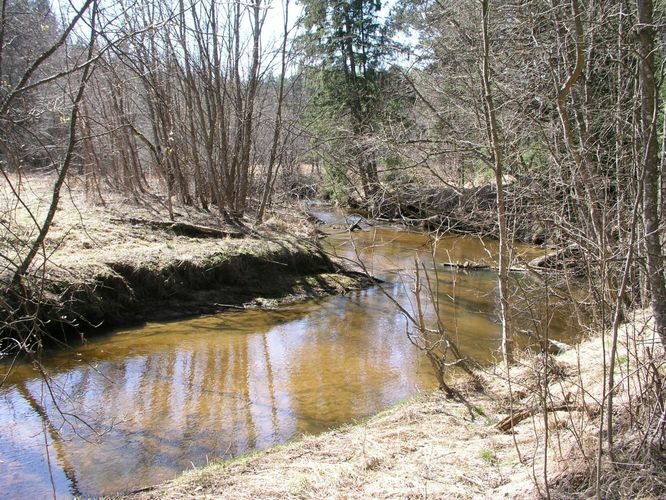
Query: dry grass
x=101 y=263
x=85 y=234
x=435 y=447
x=576 y=380
x=427 y=446
x=430 y=446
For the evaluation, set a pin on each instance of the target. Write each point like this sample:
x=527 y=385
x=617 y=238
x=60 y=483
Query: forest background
x=532 y=120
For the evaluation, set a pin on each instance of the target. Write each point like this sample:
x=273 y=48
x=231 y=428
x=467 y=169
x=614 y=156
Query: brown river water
x=136 y=407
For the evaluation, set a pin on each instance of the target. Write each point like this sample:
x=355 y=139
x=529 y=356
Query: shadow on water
x=167 y=396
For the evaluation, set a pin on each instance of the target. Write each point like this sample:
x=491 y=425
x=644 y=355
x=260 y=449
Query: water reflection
x=137 y=407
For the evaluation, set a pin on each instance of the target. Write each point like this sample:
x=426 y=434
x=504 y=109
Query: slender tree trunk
x=651 y=174
x=3 y=20
x=248 y=118
x=498 y=158
x=277 y=125
x=66 y=163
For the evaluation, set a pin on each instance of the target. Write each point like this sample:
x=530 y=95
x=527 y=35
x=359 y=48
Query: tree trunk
x=498 y=158
x=66 y=163
x=277 y=125
x=651 y=174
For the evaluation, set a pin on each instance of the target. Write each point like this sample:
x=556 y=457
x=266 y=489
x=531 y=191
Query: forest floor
x=124 y=261
x=436 y=447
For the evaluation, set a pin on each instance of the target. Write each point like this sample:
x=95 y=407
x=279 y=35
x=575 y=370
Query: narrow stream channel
x=138 y=406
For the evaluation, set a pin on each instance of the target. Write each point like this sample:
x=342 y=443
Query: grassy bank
x=434 y=447
x=122 y=262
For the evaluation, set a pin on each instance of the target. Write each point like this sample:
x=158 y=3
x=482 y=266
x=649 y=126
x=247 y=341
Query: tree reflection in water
x=169 y=396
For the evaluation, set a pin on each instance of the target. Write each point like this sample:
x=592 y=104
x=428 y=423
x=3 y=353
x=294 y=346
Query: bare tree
x=22 y=296
x=651 y=165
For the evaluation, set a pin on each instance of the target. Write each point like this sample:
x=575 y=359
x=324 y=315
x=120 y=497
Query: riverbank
x=123 y=263
x=470 y=209
x=434 y=447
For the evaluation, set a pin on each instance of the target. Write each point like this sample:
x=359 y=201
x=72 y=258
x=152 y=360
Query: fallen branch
x=479 y=267
x=181 y=228
x=550 y=345
x=511 y=421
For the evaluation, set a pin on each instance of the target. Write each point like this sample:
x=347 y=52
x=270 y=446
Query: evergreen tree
x=346 y=45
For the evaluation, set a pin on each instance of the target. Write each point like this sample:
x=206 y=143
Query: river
x=137 y=406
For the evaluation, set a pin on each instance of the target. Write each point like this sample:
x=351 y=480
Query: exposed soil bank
x=123 y=263
x=434 y=447
x=254 y=271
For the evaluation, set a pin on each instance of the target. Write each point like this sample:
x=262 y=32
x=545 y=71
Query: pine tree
x=346 y=45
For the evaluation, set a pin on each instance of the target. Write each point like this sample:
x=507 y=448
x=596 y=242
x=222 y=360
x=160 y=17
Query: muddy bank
x=262 y=271
x=255 y=271
x=121 y=263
